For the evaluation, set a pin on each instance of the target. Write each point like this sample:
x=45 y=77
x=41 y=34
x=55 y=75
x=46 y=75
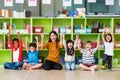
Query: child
x=88 y=56
x=53 y=45
x=70 y=47
x=16 y=46
x=33 y=61
x=109 y=48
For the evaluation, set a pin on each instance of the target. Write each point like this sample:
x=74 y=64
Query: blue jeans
x=70 y=65
x=13 y=65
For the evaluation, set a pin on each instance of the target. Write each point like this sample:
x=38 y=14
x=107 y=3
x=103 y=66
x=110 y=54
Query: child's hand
x=61 y=35
x=18 y=34
x=36 y=37
x=77 y=37
x=110 y=30
x=104 y=29
x=42 y=36
x=8 y=34
x=79 y=40
x=98 y=41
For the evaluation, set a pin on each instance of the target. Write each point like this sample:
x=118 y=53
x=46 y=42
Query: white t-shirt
x=16 y=55
x=109 y=48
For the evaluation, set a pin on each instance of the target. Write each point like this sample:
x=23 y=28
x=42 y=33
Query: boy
x=88 y=56
x=16 y=46
x=33 y=61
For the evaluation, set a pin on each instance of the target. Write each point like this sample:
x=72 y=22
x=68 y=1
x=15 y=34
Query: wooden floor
x=58 y=75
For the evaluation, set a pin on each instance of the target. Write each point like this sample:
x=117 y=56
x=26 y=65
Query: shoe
x=103 y=67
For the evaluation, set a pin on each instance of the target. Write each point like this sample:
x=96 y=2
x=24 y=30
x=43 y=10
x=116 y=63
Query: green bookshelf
x=48 y=24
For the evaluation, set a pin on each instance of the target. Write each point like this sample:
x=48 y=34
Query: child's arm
x=76 y=41
x=42 y=42
x=37 y=43
x=26 y=44
x=79 y=47
x=18 y=36
x=20 y=40
x=98 y=44
x=112 y=36
x=103 y=38
x=8 y=36
x=9 y=40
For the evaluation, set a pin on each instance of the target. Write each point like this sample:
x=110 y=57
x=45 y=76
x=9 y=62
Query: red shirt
x=16 y=52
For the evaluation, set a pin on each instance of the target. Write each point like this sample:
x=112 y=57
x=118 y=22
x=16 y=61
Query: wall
x=48 y=9
x=21 y=7
x=115 y=8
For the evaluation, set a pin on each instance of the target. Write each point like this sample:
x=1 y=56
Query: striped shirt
x=88 y=56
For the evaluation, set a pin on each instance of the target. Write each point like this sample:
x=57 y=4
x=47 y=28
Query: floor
x=58 y=75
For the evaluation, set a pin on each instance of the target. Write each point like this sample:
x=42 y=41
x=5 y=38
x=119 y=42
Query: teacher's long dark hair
x=57 y=40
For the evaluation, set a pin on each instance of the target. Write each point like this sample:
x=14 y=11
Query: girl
x=70 y=53
x=53 y=45
x=109 y=47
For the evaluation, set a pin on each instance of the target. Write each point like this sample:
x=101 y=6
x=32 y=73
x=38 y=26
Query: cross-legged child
x=88 y=56
x=32 y=53
x=16 y=46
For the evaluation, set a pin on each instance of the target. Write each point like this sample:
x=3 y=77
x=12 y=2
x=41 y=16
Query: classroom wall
x=21 y=7
x=115 y=8
x=49 y=9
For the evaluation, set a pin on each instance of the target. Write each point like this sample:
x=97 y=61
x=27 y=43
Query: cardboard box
x=5 y=13
x=37 y=29
x=94 y=30
x=117 y=44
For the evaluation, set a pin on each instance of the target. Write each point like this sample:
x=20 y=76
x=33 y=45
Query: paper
x=8 y=2
x=46 y=1
x=77 y=1
x=109 y=2
x=92 y=1
x=19 y=1
x=32 y=2
x=67 y=2
x=119 y=2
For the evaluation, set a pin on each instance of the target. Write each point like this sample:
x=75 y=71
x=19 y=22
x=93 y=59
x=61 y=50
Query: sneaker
x=103 y=67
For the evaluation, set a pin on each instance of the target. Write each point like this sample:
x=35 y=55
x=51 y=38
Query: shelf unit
x=48 y=24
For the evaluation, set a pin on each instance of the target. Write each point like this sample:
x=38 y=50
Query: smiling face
x=108 y=38
x=53 y=37
x=70 y=45
x=32 y=49
x=88 y=45
x=16 y=44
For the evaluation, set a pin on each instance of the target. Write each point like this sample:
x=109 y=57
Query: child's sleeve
x=82 y=51
x=20 y=43
x=37 y=51
x=60 y=45
x=45 y=46
x=93 y=51
x=75 y=44
x=10 y=44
